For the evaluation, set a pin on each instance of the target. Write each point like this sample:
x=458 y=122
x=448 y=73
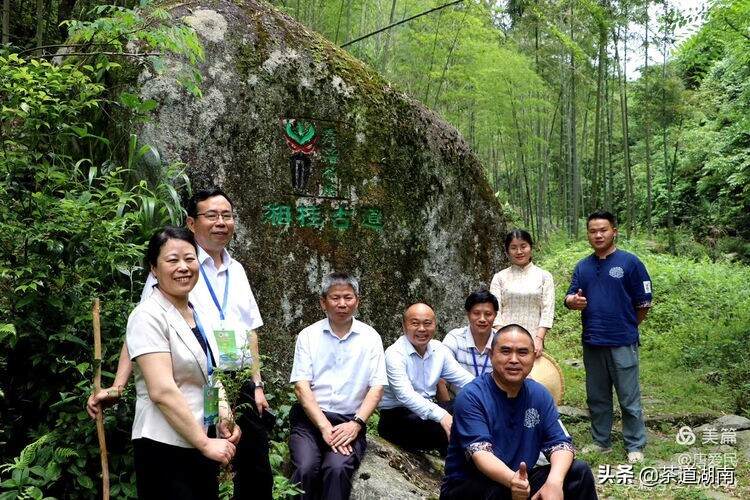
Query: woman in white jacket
x=177 y=404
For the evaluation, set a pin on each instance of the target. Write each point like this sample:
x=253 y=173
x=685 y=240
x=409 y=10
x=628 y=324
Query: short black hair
x=204 y=194
x=161 y=236
x=602 y=214
x=520 y=234
x=512 y=326
x=481 y=296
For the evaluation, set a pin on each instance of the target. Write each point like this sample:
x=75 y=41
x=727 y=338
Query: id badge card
x=210 y=405
x=226 y=340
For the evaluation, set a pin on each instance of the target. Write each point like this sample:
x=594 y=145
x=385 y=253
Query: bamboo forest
x=414 y=154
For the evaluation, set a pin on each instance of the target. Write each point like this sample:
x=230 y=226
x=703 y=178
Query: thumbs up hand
x=519 y=485
x=576 y=301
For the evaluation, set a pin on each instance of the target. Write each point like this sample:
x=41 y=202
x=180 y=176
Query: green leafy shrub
x=77 y=207
x=72 y=228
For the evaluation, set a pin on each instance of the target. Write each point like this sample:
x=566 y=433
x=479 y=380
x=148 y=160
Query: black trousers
x=405 y=428
x=163 y=471
x=579 y=484
x=320 y=472
x=253 y=477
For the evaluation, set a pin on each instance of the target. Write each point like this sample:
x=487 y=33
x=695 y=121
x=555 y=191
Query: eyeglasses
x=214 y=216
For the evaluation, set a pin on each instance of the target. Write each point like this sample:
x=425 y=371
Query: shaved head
x=511 y=328
x=419 y=326
x=512 y=358
x=418 y=308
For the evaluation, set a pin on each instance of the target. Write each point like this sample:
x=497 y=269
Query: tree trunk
x=621 y=79
x=387 y=43
x=348 y=26
x=609 y=165
x=315 y=13
x=495 y=167
x=647 y=132
x=564 y=168
x=670 y=193
x=472 y=126
x=575 y=191
x=596 y=169
x=626 y=131
x=447 y=63
x=665 y=136
x=362 y=19
x=39 y=39
x=6 y=21
x=584 y=148
x=540 y=161
x=338 y=22
x=546 y=162
x=522 y=160
x=432 y=56
x=64 y=11
x=575 y=181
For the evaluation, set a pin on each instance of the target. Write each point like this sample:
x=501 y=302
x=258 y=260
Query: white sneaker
x=635 y=457
x=595 y=448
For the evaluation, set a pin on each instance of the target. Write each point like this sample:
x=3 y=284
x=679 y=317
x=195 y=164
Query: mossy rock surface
x=385 y=188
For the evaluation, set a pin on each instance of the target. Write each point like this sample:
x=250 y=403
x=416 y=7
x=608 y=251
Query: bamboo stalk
x=97 y=388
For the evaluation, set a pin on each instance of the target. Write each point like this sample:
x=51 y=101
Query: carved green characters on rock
x=318 y=216
x=314 y=145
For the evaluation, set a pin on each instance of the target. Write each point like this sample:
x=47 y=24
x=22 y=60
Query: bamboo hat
x=547 y=372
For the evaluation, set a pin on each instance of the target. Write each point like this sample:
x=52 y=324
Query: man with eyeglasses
x=226 y=302
x=409 y=415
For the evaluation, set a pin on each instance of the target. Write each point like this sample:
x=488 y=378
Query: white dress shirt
x=340 y=370
x=412 y=379
x=241 y=315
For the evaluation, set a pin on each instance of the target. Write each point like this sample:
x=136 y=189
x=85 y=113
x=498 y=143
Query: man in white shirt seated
x=409 y=415
x=338 y=375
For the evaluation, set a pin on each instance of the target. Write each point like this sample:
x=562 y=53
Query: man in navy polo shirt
x=612 y=289
x=501 y=421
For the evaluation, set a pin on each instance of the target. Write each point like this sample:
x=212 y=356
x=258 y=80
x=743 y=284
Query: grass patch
x=662 y=450
x=695 y=345
x=692 y=342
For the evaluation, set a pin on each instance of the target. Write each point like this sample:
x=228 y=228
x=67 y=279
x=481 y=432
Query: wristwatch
x=359 y=420
x=260 y=384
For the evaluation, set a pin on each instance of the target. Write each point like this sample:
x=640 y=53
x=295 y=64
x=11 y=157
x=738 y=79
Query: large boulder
x=329 y=167
x=389 y=472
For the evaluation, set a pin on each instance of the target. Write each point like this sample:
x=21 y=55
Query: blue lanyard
x=223 y=306
x=476 y=368
x=209 y=352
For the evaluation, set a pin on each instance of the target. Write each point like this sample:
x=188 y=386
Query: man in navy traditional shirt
x=612 y=289
x=501 y=422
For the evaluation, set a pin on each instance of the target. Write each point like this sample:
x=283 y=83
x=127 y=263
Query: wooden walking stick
x=97 y=388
